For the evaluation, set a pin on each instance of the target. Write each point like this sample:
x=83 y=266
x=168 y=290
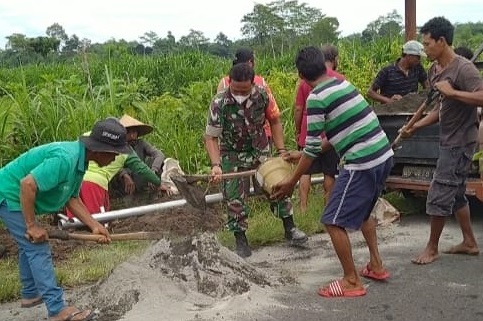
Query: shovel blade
x=193 y=194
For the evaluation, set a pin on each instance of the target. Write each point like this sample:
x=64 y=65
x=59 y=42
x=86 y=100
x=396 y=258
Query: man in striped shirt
x=402 y=77
x=352 y=129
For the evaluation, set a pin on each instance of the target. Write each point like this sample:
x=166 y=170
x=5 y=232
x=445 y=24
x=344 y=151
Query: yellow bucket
x=273 y=171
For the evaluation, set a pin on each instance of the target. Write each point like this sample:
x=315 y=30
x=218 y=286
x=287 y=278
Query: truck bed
x=474 y=185
x=416 y=158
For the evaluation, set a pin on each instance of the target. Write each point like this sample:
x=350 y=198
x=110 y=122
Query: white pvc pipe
x=65 y=222
x=133 y=211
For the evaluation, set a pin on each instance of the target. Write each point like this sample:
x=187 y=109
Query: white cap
x=413 y=47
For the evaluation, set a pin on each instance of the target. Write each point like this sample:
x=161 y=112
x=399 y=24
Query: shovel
x=432 y=95
x=65 y=236
x=194 y=195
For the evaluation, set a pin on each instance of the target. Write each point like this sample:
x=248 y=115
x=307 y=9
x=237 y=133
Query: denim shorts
x=446 y=193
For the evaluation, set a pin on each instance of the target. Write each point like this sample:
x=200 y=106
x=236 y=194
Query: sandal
x=72 y=316
x=370 y=274
x=335 y=290
x=31 y=302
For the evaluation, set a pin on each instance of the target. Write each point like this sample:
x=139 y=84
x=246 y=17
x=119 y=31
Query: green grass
x=84 y=266
x=264 y=228
x=10 y=285
x=406 y=206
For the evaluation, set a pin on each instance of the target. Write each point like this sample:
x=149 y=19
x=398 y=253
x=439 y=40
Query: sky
x=102 y=20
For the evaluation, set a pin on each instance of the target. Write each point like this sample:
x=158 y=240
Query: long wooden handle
x=117 y=237
x=238 y=174
x=223 y=176
x=477 y=53
x=417 y=115
x=64 y=235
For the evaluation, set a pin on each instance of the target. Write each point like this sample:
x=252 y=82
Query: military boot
x=241 y=242
x=292 y=233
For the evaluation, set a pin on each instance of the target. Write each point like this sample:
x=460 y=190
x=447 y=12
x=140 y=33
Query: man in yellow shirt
x=95 y=185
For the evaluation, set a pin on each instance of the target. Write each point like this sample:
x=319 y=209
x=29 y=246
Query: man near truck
x=461 y=87
x=402 y=77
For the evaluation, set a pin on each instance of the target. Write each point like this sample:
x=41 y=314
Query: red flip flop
x=370 y=274
x=335 y=290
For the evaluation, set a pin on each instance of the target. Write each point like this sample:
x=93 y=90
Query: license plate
x=419 y=172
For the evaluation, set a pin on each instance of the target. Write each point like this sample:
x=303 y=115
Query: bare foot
x=427 y=256
x=463 y=249
x=73 y=314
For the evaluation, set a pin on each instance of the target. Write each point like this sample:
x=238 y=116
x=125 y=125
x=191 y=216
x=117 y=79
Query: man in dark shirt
x=148 y=153
x=402 y=77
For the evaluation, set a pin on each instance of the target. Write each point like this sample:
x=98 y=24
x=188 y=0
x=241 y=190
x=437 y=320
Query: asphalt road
x=451 y=288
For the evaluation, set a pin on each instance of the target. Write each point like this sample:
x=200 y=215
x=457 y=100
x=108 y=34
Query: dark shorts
x=354 y=195
x=326 y=163
x=446 y=193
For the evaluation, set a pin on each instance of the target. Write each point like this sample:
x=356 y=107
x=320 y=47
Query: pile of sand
x=186 y=278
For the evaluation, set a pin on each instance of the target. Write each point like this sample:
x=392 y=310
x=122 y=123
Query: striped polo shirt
x=336 y=107
x=391 y=80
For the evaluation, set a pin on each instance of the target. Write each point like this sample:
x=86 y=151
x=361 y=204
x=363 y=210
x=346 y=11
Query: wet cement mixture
x=407 y=105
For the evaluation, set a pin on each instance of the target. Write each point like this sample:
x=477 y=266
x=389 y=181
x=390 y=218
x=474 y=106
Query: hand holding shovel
x=407 y=130
x=64 y=236
x=193 y=194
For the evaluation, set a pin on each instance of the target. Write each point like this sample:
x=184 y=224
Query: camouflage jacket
x=239 y=127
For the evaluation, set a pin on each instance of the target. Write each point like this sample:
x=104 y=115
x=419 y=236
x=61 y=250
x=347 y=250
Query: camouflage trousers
x=235 y=192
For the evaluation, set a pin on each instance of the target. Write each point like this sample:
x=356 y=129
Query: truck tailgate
x=474 y=186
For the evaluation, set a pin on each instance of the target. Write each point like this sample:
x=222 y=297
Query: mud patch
x=181 y=221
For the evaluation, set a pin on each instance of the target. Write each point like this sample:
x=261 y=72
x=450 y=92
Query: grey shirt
x=144 y=149
x=458 y=120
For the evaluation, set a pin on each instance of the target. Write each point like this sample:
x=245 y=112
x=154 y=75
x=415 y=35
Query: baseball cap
x=107 y=135
x=413 y=47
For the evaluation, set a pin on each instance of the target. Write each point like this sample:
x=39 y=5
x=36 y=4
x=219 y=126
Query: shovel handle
x=63 y=235
x=115 y=237
x=433 y=93
x=238 y=174
x=223 y=176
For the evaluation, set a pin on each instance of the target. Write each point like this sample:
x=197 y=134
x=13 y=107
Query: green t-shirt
x=58 y=169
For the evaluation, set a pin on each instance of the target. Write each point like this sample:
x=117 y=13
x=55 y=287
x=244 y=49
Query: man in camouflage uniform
x=236 y=141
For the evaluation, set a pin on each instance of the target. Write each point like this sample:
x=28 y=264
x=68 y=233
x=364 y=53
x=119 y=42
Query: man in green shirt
x=41 y=181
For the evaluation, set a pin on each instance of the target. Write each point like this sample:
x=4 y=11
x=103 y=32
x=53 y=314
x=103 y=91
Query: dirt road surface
x=195 y=279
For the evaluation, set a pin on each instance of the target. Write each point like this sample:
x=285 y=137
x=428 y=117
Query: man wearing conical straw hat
x=131 y=181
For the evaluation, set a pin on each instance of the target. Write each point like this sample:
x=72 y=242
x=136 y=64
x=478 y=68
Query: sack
x=171 y=167
x=384 y=212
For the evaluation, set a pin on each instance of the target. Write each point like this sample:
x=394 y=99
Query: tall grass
x=45 y=103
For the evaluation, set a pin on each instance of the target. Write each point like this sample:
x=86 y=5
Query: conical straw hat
x=129 y=122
